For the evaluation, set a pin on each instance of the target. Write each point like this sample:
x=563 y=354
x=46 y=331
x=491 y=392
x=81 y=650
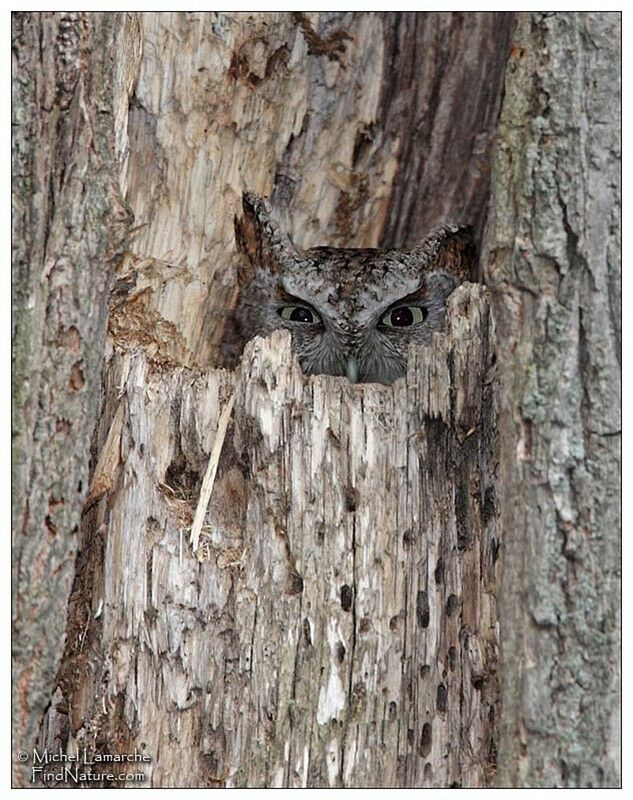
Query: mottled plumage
x=350 y=311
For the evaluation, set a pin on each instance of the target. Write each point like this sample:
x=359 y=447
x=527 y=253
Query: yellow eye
x=301 y=314
x=404 y=316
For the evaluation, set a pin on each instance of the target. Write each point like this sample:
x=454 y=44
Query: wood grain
x=344 y=633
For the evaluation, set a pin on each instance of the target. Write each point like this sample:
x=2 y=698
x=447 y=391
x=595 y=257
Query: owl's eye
x=299 y=314
x=404 y=316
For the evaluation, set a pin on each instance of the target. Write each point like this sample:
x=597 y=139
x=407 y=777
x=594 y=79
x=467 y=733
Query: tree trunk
x=68 y=223
x=553 y=263
x=334 y=622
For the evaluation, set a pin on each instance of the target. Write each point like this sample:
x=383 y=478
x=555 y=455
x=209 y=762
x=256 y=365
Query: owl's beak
x=351 y=369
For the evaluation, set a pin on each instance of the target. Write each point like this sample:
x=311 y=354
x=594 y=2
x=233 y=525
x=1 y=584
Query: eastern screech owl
x=350 y=311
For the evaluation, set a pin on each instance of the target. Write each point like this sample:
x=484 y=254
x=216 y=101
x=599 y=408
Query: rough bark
x=68 y=222
x=552 y=260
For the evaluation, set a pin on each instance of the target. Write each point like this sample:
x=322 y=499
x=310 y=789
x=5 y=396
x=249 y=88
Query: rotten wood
x=343 y=631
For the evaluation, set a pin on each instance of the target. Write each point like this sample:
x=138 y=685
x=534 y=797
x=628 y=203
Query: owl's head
x=350 y=311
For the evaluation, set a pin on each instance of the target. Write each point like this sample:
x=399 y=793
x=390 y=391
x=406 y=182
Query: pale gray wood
x=338 y=625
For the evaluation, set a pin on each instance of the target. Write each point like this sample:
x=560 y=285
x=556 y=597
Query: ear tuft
x=259 y=237
x=452 y=248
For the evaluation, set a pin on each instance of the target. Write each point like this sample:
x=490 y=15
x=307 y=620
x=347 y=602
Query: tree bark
x=68 y=222
x=552 y=261
x=336 y=624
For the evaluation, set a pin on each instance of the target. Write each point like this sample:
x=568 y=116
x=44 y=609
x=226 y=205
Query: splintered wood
x=337 y=624
x=209 y=476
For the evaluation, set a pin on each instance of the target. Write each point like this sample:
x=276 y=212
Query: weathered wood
x=68 y=223
x=553 y=263
x=338 y=627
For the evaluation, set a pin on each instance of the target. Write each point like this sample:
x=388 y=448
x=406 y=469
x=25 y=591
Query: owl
x=350 y=311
